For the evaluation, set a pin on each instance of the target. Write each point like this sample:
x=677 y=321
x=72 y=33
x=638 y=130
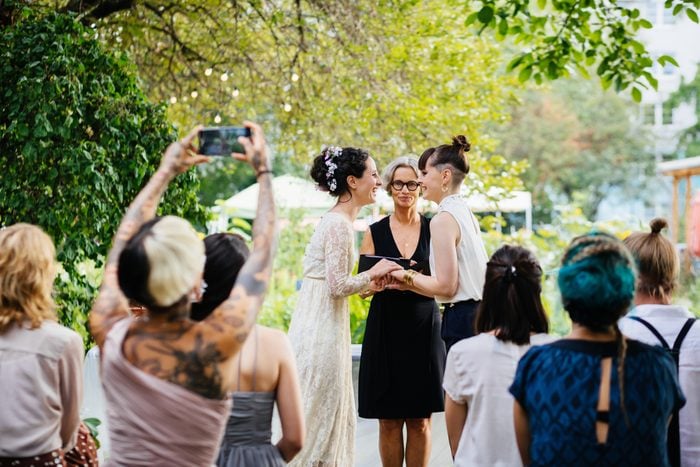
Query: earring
x=444 y=188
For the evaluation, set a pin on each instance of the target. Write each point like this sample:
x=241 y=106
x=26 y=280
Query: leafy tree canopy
x=689 y=93
x=78 y=139
x=560 y=36
x=580 y=141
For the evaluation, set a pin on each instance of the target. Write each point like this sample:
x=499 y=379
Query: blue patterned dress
x=558 y=385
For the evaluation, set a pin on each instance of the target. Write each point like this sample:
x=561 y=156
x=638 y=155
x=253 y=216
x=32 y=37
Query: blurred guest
x=510 y=318
x=166 y=378
x=595 y=397
x=656 y=320
x=40 y=360
x=264 y=372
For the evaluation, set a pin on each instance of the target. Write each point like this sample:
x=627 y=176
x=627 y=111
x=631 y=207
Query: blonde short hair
x=403 y=161
x=162 y=262
x=27 y=272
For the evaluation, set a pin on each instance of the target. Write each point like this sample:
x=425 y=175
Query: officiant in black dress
x=403 y=356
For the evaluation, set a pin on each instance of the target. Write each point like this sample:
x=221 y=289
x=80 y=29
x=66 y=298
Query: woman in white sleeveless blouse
x=457 y=254
x=320 y=327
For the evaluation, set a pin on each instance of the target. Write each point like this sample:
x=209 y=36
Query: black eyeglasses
x=398 y=185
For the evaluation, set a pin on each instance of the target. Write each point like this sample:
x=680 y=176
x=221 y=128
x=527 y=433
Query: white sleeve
x=338 y=250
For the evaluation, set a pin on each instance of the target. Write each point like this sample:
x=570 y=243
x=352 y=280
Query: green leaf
x=692 y=14
x=525 y=73
x=677 y=9
x=485 y=15
x=644 y=23
x=667 y=59
x=503 y=27
x=636 y=95
x=541 y=4
x=471 y=18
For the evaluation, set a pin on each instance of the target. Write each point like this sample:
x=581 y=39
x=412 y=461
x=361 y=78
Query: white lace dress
x=320 y=336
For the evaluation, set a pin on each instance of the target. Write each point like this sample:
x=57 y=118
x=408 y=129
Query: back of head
x=226 y=253
x=27 y=272
x=596 y=280
x=452 y=156
x=657 y=261
x=161 y=263
x=511 y=302
x=334 y=165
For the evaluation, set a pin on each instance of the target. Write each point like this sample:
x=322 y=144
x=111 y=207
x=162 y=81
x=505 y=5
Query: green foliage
x=560 y=36
x=78 y=139
x=579 y=143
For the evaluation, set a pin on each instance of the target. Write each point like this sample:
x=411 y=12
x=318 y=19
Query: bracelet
x=408 y=276
x=265 y=171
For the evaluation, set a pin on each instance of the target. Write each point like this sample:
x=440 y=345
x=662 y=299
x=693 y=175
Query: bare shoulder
x=443 y=221
x=275 y=341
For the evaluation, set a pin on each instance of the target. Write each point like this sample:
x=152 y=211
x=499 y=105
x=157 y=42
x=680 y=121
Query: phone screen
x=222 y=140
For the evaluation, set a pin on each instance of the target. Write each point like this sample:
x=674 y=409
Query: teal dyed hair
x=597 y=280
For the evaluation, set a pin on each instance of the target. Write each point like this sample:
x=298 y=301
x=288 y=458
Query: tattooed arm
x=231 y=322
x=111 y=304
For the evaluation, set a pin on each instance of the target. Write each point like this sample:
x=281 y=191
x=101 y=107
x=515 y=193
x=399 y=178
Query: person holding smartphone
x=167 y=378
x=403 y=357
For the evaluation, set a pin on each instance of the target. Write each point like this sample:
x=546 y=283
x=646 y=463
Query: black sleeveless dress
x=403 y=356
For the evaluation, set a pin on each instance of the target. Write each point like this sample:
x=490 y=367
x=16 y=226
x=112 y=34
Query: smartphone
x=367 y=261
x=221 y=140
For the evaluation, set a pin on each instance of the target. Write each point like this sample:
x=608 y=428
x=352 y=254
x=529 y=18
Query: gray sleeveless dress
x=246 y=441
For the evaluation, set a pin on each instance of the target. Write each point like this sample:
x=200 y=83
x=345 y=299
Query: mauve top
x=41 y=387
x=154 y=422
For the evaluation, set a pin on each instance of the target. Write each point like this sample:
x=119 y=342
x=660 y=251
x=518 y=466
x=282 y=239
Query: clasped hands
x=389 y=275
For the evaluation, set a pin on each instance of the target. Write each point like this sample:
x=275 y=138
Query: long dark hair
x=511 y=302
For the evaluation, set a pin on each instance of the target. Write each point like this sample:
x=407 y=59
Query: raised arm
x=111 y=304
x=231 y=321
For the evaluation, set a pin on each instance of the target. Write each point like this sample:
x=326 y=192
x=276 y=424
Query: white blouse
x=41 y=387
x=471 y=254
x=478 y=372
x=668 y=321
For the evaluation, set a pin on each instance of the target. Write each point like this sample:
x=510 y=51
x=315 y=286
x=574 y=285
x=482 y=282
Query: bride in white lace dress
x=320 y=327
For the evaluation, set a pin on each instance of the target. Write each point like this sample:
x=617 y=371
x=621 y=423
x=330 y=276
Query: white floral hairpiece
x=332 y=152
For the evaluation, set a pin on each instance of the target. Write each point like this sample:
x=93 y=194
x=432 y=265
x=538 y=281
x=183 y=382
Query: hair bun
x=461 y=141
x=658 y=224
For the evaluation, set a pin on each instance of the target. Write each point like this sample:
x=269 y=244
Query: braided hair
x=597 y=283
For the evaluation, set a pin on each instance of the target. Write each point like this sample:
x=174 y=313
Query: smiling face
x=365 y=187
x=404 y=178
x=432 y=180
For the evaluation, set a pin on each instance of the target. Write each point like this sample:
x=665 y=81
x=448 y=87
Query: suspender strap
x=674 y=437
x=653 y=331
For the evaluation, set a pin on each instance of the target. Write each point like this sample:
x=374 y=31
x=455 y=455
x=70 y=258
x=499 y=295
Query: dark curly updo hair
x=334 y=165
x=449 y=154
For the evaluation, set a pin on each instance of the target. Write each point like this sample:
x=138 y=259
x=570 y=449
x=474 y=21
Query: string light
x=287 y=107
x=224 y=77
x=235 y=92
x=194 y=94
x=295 y=77
x=173 y=100
x=208 y=71
x=217 y=119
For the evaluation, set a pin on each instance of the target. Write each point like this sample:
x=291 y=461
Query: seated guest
x=40 y=361
x=656 y=320
x=166 y=378
x=510 y=318
x=264 y=372
x=595 y=397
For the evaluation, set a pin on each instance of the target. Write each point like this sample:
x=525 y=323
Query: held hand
x=382 y=268
x=255 y=149
x=181 y=155
x=396 y=281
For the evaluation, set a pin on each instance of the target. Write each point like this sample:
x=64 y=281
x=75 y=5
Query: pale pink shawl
x=154 y=422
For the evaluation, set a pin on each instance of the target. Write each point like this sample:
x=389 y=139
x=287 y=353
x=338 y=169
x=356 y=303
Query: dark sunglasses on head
x=398 y=185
